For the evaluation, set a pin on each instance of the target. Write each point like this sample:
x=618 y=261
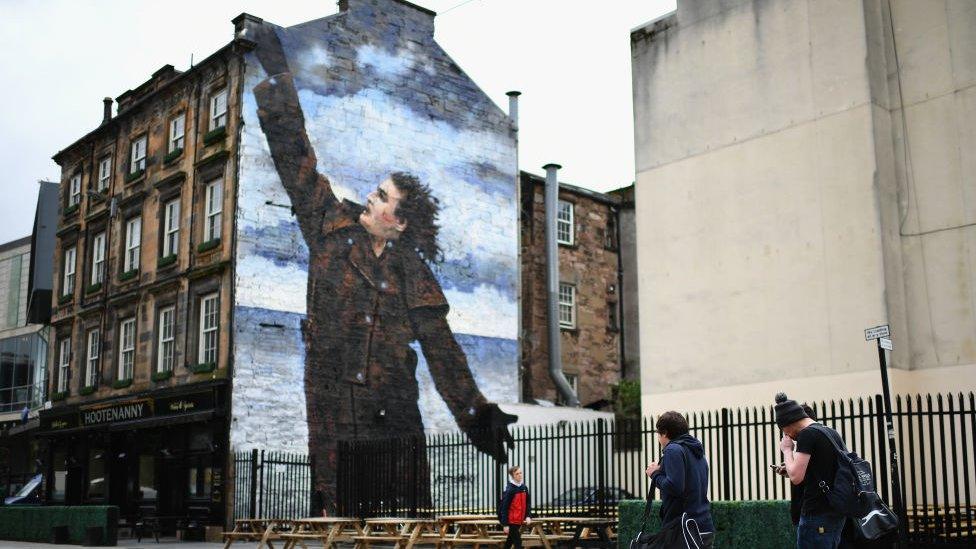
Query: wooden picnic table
x=327 y=530
x=588 y=532
x=408 y=531
x=489 y=532
x=263 y=531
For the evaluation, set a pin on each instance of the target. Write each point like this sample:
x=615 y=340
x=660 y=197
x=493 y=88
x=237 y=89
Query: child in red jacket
x=514 y=510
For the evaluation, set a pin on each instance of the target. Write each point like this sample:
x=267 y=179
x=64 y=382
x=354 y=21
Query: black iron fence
x=272 y=485
x=584 y=468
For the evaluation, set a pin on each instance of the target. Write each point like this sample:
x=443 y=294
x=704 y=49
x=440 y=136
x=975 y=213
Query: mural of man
x=371 y=292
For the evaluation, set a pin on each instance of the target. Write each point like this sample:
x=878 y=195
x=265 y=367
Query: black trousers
x=514 y=537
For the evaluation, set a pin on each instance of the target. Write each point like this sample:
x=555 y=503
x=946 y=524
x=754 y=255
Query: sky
x=570 y=60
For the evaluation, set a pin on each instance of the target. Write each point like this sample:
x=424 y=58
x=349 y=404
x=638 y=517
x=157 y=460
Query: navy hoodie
x=683 y=481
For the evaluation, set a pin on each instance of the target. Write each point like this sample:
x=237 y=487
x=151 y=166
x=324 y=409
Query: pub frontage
x=158 y=454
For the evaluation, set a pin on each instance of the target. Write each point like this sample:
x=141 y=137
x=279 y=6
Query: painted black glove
x=489 y=431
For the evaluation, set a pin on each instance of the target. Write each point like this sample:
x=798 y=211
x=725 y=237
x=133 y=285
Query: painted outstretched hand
x=489 y=431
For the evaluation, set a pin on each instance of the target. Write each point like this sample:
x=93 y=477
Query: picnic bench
x=326 y=530
x=263 y=531
x=406 y=531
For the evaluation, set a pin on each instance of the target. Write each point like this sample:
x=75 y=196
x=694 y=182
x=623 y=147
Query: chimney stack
x=513 y=106
x=106 y=109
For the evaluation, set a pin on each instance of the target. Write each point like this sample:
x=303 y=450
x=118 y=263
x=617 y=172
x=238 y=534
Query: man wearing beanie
x=810 y=458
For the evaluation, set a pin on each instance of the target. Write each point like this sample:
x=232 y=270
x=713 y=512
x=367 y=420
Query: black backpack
x=852 y=491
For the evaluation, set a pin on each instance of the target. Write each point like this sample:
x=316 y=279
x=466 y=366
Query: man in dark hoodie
x=682 y=476
x=513 y=511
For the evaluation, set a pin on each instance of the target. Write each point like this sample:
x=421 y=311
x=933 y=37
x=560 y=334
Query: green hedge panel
x=738 y=524
x=23 y=523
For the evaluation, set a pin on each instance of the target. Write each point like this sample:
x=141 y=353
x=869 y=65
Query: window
x=68 y=283
x=104 y=173
x=613 y=316
x=133 y=243
x=127 y=347
x=74 y=190
x=218 y=109
x=214 y=203
x=567 y=306
x=177 y=127
x=564 y=223
x=167 y=339
x=611 y=237
x=91 y=367
x=171 y=228
x=209 y=316
x=138 y=159
x=96 y=473
x=64 y=361
x=98 y=259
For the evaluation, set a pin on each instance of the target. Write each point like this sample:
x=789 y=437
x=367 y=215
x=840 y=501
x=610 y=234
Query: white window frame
x=209 y=328
x=70 y=263
x=177 y=132
x=98 y=258
x=137 y=159
x=64 y=364
x=93 y=356
x=166 y=346
x=564 y=223
x=213 y=203
x=567 y=305
x=218 y=109
x=74 y=190
x=171 y=227
x=133 y=244
x=127 y=348
x=104 y=173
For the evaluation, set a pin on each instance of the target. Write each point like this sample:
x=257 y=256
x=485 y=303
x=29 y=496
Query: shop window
x=60 y=476
x=200 y=477
x=147 y=478
x=96 y=473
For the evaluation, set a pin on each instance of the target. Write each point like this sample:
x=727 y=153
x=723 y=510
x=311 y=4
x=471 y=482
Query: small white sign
x=876 y=332
x=886 y=344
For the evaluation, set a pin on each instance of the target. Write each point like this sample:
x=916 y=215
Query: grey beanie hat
x=787 y=411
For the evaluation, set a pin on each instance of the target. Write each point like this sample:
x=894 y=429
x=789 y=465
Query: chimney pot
x=513 y=106
x=106 y=109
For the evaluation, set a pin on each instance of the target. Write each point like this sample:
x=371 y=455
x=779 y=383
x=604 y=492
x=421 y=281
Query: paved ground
x=164 y=543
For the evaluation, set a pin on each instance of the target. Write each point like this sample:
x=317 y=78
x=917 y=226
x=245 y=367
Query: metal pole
x=893 y=451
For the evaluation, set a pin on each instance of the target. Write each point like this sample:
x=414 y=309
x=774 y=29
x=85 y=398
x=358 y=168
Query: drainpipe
x=552 y=281
x=513 y=107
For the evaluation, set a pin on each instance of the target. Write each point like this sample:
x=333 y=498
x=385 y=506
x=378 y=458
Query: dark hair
x=672 y=425
x=419 y=209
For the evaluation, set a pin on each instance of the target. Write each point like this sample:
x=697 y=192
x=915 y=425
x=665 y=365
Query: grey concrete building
x=805 y=171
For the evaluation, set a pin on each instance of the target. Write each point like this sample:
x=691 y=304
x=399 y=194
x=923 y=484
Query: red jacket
x=514 y=507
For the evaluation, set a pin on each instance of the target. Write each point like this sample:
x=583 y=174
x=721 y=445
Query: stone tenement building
x=140 y=347
x=587 y=231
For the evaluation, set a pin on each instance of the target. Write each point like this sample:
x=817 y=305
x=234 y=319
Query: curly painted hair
x=420 y=209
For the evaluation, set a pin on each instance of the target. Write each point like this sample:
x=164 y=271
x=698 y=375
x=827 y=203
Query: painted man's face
x=379 y=218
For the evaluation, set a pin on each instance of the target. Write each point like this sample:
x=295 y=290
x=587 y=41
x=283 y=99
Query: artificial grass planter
x=208 y=245
x=215 y=135
x=203 y=368
x=162 y=376
x=738 y=524
x=173 y=155
x=87 y=390
x=166 y=261
x=66 y=298
x=135 y=175
x=92 y=288
x=61 y=395
x=128 y=275
x=24 y=523
x=122 y=383
x=71 y=209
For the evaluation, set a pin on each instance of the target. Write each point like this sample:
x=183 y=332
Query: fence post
x=879 y=422
x=601 y=467
x=726 y=456
x=253 y=496
x=414 y=481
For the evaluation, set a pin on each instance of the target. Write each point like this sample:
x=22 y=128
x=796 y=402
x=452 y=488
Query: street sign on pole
x=877 y=332
x=883 y=334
